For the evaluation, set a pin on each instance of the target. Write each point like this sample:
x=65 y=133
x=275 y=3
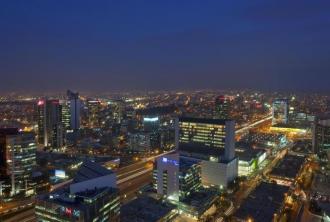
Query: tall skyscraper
x=222 y=106
x=213 y=138
x=321 y=136
x=94 y=109
x=65 y=114
x=118 y=110
x=75 y=105
x=280 y=111
x=176 y=177
x=17 y=160
x=151 y=123
x=212 y=141
x=50 y=127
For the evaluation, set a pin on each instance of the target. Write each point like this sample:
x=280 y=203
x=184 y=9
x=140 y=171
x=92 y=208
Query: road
x=132 y=177
x=247 y=187
x=252 y=125
x=129 y=180
x=10 y=207
x=24 y=216
x=129 y=189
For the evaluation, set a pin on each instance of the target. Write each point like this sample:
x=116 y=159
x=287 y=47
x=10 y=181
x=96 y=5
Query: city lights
x=171 y=111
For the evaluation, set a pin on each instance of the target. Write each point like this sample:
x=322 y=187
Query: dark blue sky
x=52 y=45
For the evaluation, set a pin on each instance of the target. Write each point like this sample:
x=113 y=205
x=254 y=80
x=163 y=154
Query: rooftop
x=204 y=120
x=301 y=126
x=162 y=110
x=185 y=164
x=200 y=200
x=266 y=135
x=247 y=153
x=90 y=170
x=64 y=198
x=262 y=203
x=288 y=167
x=145 y=209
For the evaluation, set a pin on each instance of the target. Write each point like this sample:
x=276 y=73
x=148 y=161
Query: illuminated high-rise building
x=213 y=142
x=50 y=126
x=280 y=111
x=118 y=110
x=74 y=105
x=151 y=123
x=65 y=114
x=321 y=136
x=222 y=106
x=176 y=177
x=94 y=109
x=17 y=160
x=213 y=137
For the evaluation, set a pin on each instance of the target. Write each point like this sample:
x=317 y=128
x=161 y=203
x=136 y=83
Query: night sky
x=52 y=45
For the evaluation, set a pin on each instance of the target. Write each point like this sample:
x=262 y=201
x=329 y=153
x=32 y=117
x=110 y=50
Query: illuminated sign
x=166 y=160
x=69 y=212
x=41 y=102
x=93 y=101
x=262 y=157
x=154 y=119
x=60 y=174
x=283 y=140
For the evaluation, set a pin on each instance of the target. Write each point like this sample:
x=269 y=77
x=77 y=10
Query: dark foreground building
x=92 y=197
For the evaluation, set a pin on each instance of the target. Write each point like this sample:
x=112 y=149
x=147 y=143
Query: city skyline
x=176 y=157
x=115 y=46
x=167 y=111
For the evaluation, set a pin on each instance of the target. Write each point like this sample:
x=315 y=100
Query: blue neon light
x=166 y=160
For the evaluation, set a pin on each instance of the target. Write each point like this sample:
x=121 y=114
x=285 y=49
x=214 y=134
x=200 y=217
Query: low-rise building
x=249 y=159
x=99 y=204
x=287 y=170
x=320 y=197
x=91 y=197
x=144 y=141
x=294 y=129
x=148 y=209
x=263 y=203
x=274 y=140
x=198 y=203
